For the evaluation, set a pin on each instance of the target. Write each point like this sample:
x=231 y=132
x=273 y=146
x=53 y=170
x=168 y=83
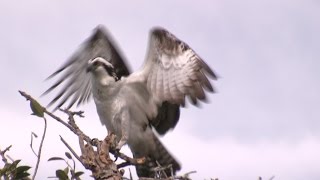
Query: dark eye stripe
x=108 y=69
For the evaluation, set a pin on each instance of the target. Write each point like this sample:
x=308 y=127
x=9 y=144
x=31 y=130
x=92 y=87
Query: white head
x=101 y=67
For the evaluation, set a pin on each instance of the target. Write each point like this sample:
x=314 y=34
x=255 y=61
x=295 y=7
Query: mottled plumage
x=132 y=105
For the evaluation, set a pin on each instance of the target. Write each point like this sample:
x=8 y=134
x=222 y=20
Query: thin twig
x=9 y=157
x=185 y=176
x=74 y=128
x=4 y=159
x=161 y=170
x=40 y=148
x=71 y=150
x=28 y=97
x=86 y=150
x=31 y=143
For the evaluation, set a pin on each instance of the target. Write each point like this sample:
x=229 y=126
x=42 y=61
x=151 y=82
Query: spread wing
x=172 y=70
x=167 y=118
x=77 y=85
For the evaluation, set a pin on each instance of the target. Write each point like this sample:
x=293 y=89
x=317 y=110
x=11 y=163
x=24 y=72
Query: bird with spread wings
x=134 y=105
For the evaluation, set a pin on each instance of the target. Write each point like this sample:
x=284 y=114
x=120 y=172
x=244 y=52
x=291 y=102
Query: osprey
x=133 y=106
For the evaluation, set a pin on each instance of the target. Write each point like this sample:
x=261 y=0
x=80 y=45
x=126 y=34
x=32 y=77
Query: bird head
x=100 y=66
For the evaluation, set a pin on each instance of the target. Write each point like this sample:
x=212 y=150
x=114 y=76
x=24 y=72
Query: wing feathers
x=85 y=95
x=175 y=93
x=179 y=71
x=159 y=83
x=205 y=82
x=207 y=69
x=166 y=90
x=77 y=83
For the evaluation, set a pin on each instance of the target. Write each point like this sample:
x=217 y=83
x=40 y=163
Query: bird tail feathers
x=160 y=158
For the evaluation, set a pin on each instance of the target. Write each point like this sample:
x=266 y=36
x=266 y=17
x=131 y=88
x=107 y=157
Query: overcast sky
x=264 y=119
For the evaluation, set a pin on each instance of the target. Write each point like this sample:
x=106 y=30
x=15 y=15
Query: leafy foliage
x=63 y=174
x=36 y=108
x=13 y=171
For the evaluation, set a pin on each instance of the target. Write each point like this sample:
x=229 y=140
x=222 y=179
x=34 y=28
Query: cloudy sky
x=264 y=119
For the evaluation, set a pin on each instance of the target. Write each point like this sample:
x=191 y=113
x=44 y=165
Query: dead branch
x=98 y=161
x=71 y=125
x=40 y=149
x=2 y=154
x=95 y=153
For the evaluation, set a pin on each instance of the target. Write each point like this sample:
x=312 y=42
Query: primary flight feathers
x=172 y=69
x=131 y=105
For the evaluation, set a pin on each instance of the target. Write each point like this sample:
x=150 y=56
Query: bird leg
x=122 y=142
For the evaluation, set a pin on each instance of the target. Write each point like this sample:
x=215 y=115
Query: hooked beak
x=89 y=69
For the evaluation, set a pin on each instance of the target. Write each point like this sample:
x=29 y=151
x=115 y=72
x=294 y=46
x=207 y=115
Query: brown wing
x=173 y=71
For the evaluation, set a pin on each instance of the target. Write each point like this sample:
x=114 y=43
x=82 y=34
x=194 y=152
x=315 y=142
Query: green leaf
x=66 y=170
x=22 y=169
x=61 y=175
x=78 y=174
x=36 y=108
x=22 y=175
x=68 y=155
x=55 y=159
x=2 y=171
x=16 y=162
x=13 y=165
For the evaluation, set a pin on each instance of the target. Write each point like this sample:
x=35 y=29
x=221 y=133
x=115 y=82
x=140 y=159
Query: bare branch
x=31 y=143
x=40 y=148
x=99 y=161
x=2 y=154
x=185 y=176
x=71 y=150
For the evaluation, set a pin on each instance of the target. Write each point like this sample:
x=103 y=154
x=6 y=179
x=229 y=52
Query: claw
x=116 y=154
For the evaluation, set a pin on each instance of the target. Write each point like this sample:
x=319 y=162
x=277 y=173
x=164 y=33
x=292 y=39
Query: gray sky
x=263 y=121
